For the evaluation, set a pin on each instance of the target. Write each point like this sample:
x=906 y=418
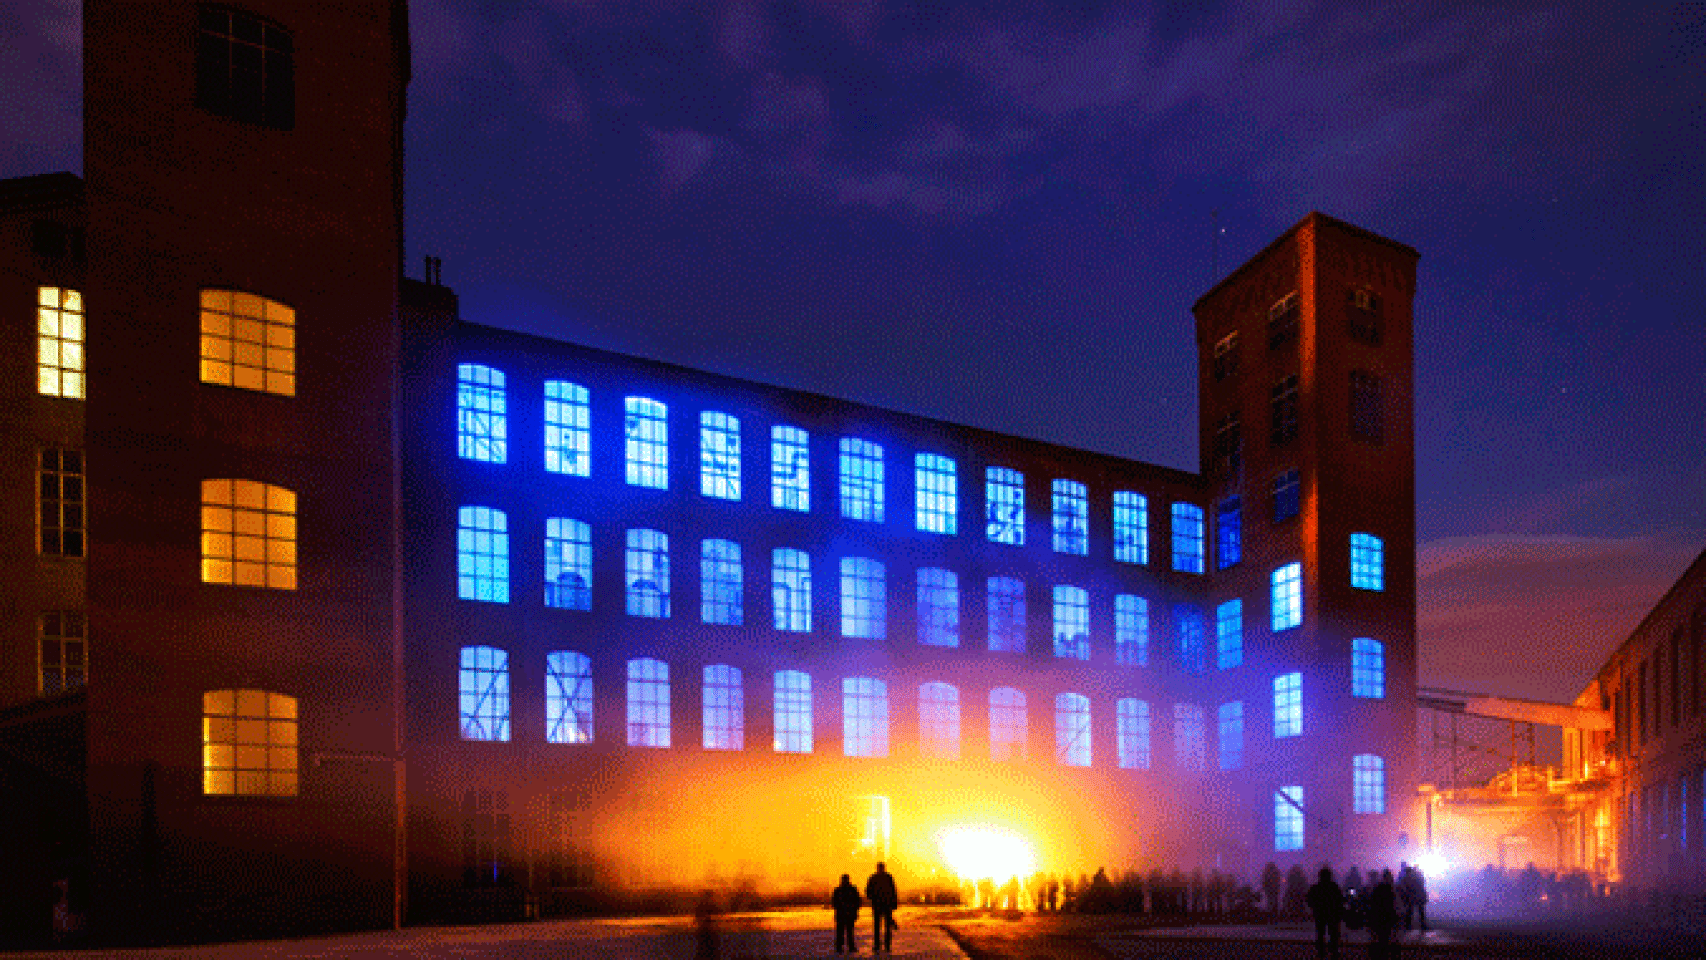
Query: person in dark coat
x=1327 y=905
x=1271 y=887
x=846 y=901
x=1382 y=917
x=1403 y=888
x=880 y=890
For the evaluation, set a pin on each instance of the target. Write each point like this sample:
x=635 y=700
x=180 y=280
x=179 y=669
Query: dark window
x=1676 y=677
x=1641 y=703
x=1226 y=356
x=1694 y=663
x=245 y=69
x=1283 y=406
x=1282 y=321
x=1287 y=489
x=1229 y=445
x=486 y=858
x=1368 y=415
x=50 y=238
x=1228 y=532
x=1362 y=317
x=61 y=502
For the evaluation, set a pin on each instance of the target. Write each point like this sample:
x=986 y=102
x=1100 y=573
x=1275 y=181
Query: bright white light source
x=986 y=853
x=1432 y=864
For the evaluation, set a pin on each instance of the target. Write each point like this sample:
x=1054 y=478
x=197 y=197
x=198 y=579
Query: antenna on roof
x=434 y=270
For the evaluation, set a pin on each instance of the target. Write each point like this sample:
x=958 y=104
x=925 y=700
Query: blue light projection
x=719 y=455
x=1288 y=818
x=1007 y=614
x=1287 y=596
x=793 y=700
x=1190 y=737
x=568 y=564
x=648 y=573
x=482 y=431
x=568 y=429
x=1007 y=724
x=1004 y=504
x=1368 y=562
x=645 y=429
x=864 y=717
x=724 y=708
x=1071 y=622
x=720 y=583
x=1229 y=634
x=1131 y=527
x=1368 y=668
x=1288 y=705
x=1228 y=532
x=568 y=697
x=861 y=480
x=1131 y=732
x=1187 y=538
x=939 y=721
x=938 y=607
x=1071 y=518
x=864 y=599
x=790 y=469
x=1192 y=633
x=1072 y=729
x=1131 y=630
x=1232 y=735
x=1368 y=784
x=791 y=590
x=482 y=555
x=648 y=703
x=483 y=685
x=936 y=494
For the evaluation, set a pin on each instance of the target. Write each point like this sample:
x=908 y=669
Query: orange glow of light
x=986 y=853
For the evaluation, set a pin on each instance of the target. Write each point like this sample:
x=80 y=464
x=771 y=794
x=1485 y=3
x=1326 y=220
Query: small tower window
x=245 y=68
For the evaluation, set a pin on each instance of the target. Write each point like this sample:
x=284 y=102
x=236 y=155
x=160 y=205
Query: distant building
x=328 y=608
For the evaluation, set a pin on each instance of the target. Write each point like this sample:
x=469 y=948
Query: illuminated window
x=248 y=342
x=937 y=494
x=720 y=583
x=483 y=683
x=1282 y=411
x=1288 y=818
x=59 y=502
x=790 y=469
x=248 y=743
x=568 y=429
x=1368 y=668
x=938 y=607
x=864 y=600
x=482 y=427
x=1132 y=732
x=645 y=429
x=1071 y=622
x=791 y=590
x=648 y=703
x=1071 y=518
x=486 y=853
x=724 y=715
x=1192 y=648
x=1282 y=321
x=648 y=573
x=1287 y=597
x=1131 y=630
x=1368 y=409
x=1232 y=735
x=59 y=342
x=1368 y=784
x=568 y=697
x=1131 y=527
x=1004 y=503
x=793 y=712
x=719 y=455
x=861 y=480
x=1228 y=532
x=1288 y=490
x=1187 y=538
x=64 y=653
x=1072 y=729
x=248 y=534
x=568 y=564
x=1229 y=634
x=1288 y=705
x=864 y=717
x=482 y=555
x=1190 y=737
x=1368 y=562
x=1007 y=614
x=1007 y=724
x=939 y=721
x=245 y=68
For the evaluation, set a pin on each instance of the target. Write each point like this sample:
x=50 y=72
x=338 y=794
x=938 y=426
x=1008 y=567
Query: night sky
x=999 y=214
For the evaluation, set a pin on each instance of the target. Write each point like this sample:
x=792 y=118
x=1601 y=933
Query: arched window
x=1131 y=630
x=1131 y=527
x=793 y=712
x=720 y=583
x=939 y=721
x=1072 y=729
x=1071 y=622
x=248 y=534
x=1071 y=517
x=648 y=703
x=645 y=426
x=568 y=697
x=719 y=455
x=723 y=717
x=864 y=599
x=938 y=607
x=648 y=573
x=483 y=683
x=568 y=429
x=1008 y=730
x=790 y=469
x=248 y=342
x=1004 y=504
x=861 y=480
x=568 y=564
x=482 y=426
x=864 y=717
x=1133 y=733
x=1007 y=614
x=937 y=483
x=482 y=555
x=248 y=743
x=791 y=590
x=1190 y=750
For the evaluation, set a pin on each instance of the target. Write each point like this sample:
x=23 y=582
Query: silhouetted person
x=1271 y=887
x=1296 y=890
x=845 y=901
x=1353 y=880
x=1419 y=896
x=1382 y=917
x=1053 y=894
x=1327 y=905
x=705 y=923
x=884 y=899
x=1404 y=888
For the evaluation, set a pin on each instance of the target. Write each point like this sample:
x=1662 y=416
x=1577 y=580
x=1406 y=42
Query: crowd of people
x=1381 y=903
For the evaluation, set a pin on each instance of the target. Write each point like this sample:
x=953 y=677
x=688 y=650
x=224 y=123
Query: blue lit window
x=568 y=697
x=1187 y=538
x=1190 y=737
x=1288 y=705
x=1072 y=729
x=483 y=682
x=1229 y=634
x=1368 y=668
x=1071 y=518
x=1071 y=622
x=568 y=564
x=1131 y=527
x=719 y=455
x=864 y=717
x=482 y=555
x=1004 y=499
x=938 y=607
x=790 y=469
x=482 y=430
x=939 y=721
x=793 y=712
x=1131 y=630
x=568 y=429
x=1288 y=818
x=1228 y=532
x=646 y=448
x=864 y=599
x=1232 y=735
x=720 y=583
x=1192 y=633
x=1007 y=725
x=1007 y=614
x=861 y=480
x=1288 y=492
x=648 y=573
x=1368 y=562
x=1368 y=784
x=791 y=590
x=648 y=703
x=1132 y=733
x=937 y=494
x=1287 y=597
x=724 y=712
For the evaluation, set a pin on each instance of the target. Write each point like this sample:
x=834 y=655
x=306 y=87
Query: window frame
x=482 y=418
x=936 y=493
x=719 y=455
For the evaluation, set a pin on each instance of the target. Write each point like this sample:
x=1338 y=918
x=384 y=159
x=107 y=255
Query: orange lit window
x=248 y=342
x=248 y=534
x=248 y=743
